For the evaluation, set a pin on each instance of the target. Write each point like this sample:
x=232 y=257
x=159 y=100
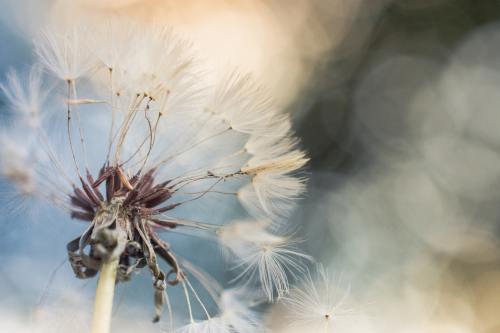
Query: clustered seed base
x=122 y=225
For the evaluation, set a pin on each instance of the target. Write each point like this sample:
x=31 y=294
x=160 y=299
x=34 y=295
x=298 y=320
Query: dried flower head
x=138 y=143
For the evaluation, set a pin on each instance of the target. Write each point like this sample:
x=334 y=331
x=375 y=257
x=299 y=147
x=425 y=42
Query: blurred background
x=397 y=103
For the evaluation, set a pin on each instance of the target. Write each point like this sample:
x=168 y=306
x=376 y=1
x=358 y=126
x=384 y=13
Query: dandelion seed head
x=140 y=146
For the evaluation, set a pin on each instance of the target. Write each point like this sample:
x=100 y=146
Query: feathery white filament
x=64 y=54
x=27 y=99
x=212 y=325
x=237 y=312
x=318 y=303
x=263 y=255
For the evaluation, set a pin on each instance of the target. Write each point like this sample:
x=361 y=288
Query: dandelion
x=138 y=141
x=319 y=304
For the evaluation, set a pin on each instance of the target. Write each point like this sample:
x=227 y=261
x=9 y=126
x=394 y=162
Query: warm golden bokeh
x=279 y=43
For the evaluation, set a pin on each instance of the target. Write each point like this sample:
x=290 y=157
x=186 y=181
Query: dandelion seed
x=263 y=255
x=212 y=325
x=64 y=54
x=273 y=191
x=236 y=306
x=319 y=304
x=27 y=99
x=271 y=262
x=244 y=106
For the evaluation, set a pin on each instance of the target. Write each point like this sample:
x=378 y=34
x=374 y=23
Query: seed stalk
x=103 y=304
